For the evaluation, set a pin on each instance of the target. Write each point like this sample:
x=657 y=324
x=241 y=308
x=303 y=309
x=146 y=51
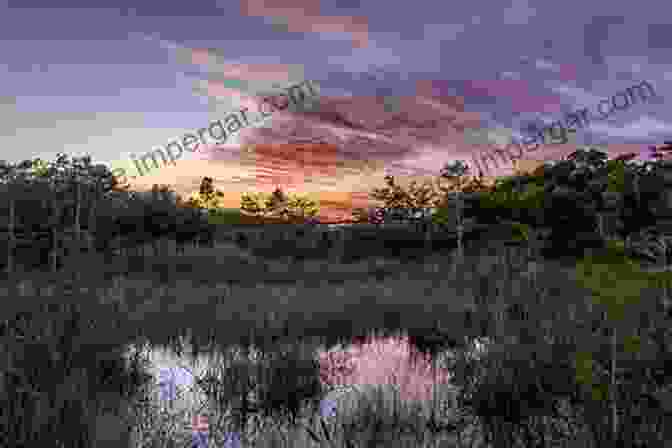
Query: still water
x=180 y=403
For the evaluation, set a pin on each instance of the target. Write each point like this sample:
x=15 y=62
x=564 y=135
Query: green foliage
x=207 y=197
x=444 y=216
x=501 y=199
x=303 y=207
x=253 y=203
x=617 y=176
x=617 y=284
x=583 y=365
x=260 y=204
x=224 y=216
x=614 y=279
x=505 y=201
x=599 y=392
x=532 y=197
x=616 y=248
x=632 y=344
x=69 y=194
x=40 y=167
x=521 y=231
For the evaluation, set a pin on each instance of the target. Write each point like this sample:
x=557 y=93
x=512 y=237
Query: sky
x=402 y=87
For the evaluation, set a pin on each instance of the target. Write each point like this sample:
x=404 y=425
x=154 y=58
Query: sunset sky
x=401 y=84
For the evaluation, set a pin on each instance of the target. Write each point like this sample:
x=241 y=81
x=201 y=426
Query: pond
x=187 y=407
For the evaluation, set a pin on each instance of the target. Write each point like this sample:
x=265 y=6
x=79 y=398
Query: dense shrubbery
x=568 y=197
x=73 y=206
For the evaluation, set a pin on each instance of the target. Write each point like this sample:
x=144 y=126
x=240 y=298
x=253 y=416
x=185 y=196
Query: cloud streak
x=305 y=16
x=220 y=130
x=572 y=122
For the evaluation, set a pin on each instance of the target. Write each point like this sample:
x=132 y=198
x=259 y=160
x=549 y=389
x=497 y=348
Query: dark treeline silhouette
x=52 y=210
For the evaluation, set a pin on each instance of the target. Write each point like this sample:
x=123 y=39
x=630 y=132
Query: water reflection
x=177 y=392
x=180 y=393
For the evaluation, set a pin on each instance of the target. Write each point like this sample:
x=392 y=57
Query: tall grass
x=78 y=332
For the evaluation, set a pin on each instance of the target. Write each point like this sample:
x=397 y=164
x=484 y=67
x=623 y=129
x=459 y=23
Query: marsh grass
x=116 y=316
x=78 y=332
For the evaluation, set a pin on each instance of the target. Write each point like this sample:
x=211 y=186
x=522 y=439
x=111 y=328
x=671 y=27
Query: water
x=179 y=395
x=178 y=403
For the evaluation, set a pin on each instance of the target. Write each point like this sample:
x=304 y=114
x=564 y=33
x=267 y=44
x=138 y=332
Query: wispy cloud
x=566 y=72
x=429 y=130
x=305 y=16
x=517 y=92
x=362 y=128
x=435 y=83
x=643 y=127
x=579 y=96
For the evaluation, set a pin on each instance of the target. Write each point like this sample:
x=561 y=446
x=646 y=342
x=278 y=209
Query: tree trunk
x=337 y=251
x=460 y=229
x=600 y=225
x=57 y=235
x=11 y=237
x=92 y=219
x=78 y=209
x=428 y=231
x=56 y=242
x=612 y=389
x=460 y=235
x=75 y=244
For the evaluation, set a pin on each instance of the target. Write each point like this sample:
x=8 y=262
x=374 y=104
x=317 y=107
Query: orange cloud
x=217 y=89
x=261 y=72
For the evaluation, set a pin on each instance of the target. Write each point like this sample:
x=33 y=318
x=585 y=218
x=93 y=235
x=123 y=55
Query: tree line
x=70 y=205
x=53 y=210
x=570 y=198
